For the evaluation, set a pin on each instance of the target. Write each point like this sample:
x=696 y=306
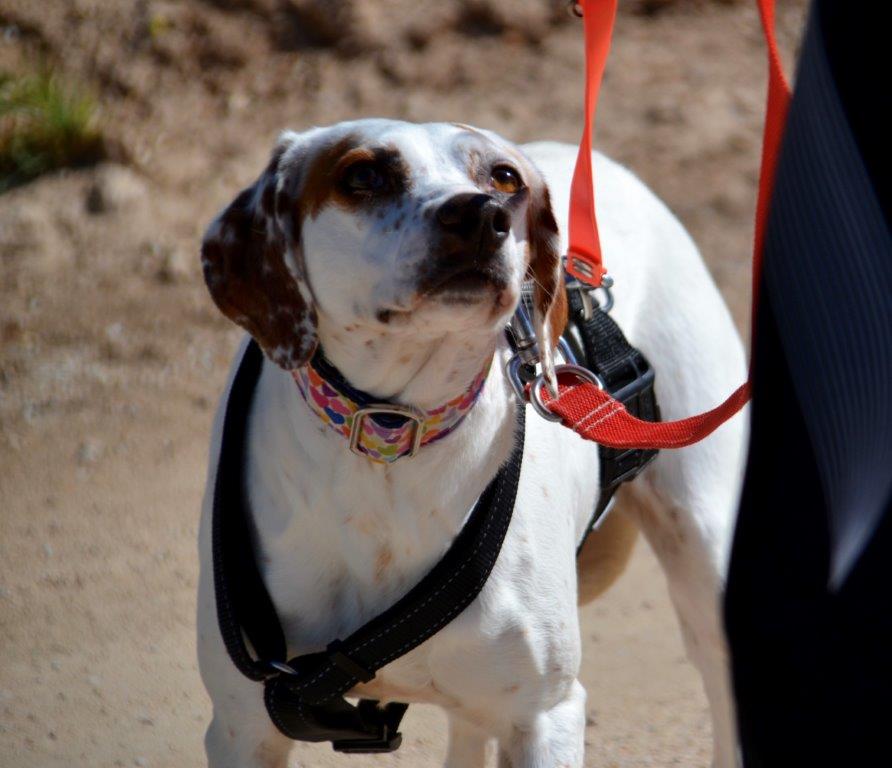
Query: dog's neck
x=333 y=523
x=413 y=370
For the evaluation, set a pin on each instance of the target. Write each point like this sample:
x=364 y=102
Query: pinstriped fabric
x=828 y=275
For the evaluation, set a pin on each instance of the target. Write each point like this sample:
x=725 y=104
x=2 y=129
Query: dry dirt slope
x=111 y=355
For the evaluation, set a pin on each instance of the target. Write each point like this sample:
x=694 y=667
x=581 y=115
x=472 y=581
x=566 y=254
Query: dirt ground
x=112 y=355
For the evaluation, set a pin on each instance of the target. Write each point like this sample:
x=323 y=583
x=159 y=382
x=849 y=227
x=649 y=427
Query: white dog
x=401 y=250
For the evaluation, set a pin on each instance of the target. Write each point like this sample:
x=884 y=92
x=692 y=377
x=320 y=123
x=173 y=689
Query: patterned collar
x=381 y=431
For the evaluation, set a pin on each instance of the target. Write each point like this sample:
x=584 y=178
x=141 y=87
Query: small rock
x=29 y=237
x=145 y=720
x=94 y=681
x=55 y=665
x=140 y=762
x=113 y=187
x=48 y=550
x=173 y=265
x=89 y=452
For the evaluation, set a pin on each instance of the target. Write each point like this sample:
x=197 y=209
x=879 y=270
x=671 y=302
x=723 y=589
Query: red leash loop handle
x=591 y=412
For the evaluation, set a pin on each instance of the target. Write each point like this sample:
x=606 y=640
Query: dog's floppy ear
x=546 y=271
x=251 y=261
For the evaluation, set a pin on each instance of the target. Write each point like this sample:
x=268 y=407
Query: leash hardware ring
x=389 y=410
x=583 y=374
x=281 y=666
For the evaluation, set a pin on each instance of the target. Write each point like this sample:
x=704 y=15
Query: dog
x=400 y=250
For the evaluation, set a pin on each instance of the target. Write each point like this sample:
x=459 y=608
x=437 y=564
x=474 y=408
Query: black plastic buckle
x=387 y=721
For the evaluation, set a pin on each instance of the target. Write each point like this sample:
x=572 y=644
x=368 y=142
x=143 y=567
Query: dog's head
x=402 y=228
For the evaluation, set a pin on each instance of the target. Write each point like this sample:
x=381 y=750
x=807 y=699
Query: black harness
x=599 y=344
x=304 y=695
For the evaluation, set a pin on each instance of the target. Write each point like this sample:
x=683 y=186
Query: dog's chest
x=340 y=541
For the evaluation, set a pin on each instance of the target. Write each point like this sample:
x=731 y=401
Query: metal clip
x=587 y=295
x=521 y=367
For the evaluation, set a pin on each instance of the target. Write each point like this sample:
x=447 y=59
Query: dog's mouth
x=469 y=283
x=465 y=284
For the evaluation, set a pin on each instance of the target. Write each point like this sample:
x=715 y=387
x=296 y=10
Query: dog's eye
x=363 y=177
x=506 y=179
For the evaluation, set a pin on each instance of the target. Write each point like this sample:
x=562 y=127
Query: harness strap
x=628 y=377
x=304 y=695
x=582 y=407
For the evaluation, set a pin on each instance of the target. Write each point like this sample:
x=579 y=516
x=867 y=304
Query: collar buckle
x=414 y=415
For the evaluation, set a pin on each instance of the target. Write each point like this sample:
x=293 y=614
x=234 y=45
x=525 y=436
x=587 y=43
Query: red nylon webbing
x=582 y=406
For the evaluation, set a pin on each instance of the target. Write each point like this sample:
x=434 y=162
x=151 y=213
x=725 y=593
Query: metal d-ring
x=281 y=666
x=583 y=374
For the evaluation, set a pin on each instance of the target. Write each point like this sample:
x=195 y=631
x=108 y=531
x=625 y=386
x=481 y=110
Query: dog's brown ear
x=547 y=273
x=250 y=258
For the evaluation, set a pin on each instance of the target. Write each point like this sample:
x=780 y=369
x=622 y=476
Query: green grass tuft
x=45 y=124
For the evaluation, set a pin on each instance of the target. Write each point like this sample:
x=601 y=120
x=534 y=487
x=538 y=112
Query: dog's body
x=340 y=538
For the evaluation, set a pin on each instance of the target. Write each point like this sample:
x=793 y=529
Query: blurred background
x=124 y=126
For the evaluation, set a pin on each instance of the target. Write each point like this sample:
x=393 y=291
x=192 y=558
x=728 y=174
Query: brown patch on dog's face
x=319 y=182
x=351 y=176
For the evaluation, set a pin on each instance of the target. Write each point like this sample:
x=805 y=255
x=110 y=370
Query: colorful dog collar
x=381 y=431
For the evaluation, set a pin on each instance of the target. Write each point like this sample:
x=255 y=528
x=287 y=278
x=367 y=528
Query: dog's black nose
x=476 y=219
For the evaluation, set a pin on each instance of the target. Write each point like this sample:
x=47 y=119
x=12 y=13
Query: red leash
x=582 y=406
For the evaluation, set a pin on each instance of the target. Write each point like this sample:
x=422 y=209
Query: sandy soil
x=112 y=356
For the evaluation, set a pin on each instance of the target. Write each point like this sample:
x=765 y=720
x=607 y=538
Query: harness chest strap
x=304 y=696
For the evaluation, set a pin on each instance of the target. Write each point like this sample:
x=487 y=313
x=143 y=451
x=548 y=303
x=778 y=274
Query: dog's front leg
x=467 y=744
x=554 y=739
x=231 y=742
x=241 y=735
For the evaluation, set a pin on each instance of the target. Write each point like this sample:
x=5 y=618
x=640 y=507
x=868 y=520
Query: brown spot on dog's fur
x=558 y=314
x=243 y=259
x=542 y=235
x=321 y=183
x=383 y=562
x=319 y=178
